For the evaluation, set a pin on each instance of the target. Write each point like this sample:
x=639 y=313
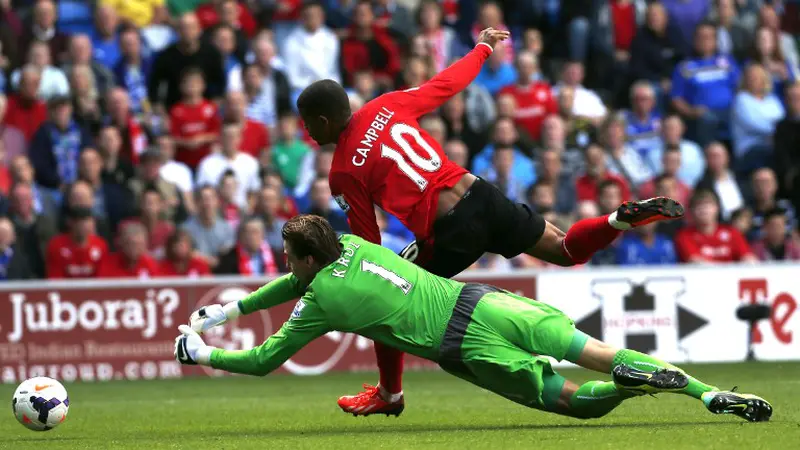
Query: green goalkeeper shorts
x=498 y=341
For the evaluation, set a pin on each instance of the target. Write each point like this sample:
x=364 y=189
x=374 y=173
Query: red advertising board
x=125 y=330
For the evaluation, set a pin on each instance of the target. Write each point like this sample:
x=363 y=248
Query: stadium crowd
x=147 y=138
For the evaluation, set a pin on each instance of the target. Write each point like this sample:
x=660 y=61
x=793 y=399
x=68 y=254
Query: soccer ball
x=40 y=403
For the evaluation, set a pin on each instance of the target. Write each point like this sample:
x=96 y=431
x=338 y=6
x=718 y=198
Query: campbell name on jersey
x=372 y=135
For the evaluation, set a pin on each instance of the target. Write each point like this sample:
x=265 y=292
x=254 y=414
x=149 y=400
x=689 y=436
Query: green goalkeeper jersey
x=369 y=290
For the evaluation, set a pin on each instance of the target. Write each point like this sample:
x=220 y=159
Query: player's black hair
x=325 y=98
x=310 y=235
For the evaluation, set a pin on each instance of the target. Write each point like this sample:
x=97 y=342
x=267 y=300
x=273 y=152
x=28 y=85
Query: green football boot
x=747 y=406
x=649 y=382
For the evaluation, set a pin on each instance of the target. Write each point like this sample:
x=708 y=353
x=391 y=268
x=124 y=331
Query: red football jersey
x=383 y=157
x=186 y=121
x=726 y=244
x=26 y=117
x=586 y=187
x=534 y=102
x=255 y=138
x=197 y=267
x=115 y=266
x=65 y=259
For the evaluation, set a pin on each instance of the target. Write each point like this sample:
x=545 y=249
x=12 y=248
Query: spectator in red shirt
x=194 y=121
x=79 y=252
x=255 y=137
x=12 y=138
x=777 y=244
x=134 y=139
x=180 y=259
x=226 y=11
x=252 y=255
x=228 y=188
x=132 y=261
x=288 y=207
x=25 y=111
x=151 y=216
x=708 y=241
x=366 y=47
x=597 y=172
x=534 y=99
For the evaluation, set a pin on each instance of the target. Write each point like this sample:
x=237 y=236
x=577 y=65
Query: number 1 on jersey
x=400 y=282
x=434 y=163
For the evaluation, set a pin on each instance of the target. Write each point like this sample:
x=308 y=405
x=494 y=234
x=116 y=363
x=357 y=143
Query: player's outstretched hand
x=492 y=36
x=187 y=346
x=207 y=317
x=210 y=316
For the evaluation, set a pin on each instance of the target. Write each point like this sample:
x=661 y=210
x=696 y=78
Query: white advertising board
x=682 y=314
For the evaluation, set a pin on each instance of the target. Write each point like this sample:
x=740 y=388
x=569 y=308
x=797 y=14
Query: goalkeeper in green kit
x=485 y=335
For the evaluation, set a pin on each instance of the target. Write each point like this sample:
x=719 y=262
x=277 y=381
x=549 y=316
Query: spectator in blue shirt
x=643 y=122
x=104 y=39
x=505 y=135
x=756 y=113
x=56 y=145
x=703 y=88
x=132 y=70
x=497 y=73
x=645 y=247
x=501 y=174
x=693 y=163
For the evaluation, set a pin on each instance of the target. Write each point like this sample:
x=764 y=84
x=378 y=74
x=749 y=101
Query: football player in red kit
x=383 y=158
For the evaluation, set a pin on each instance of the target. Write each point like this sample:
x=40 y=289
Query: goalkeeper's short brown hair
x=310 y=235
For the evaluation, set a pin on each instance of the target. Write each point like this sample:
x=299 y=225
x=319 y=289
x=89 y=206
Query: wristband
x=231 y=310
x=203 y=356
x=491 y=49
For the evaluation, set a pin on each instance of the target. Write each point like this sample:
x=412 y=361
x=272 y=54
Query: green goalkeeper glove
x=211 y=316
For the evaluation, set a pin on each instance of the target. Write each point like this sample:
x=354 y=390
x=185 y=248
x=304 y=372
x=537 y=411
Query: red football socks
x=390 y=365
x=586 y=237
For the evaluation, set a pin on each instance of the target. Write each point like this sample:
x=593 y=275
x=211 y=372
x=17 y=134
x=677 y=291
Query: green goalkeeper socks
x=640 y=361
x=596 y=399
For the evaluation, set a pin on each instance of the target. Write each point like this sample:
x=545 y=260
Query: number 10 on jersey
x=399 y=132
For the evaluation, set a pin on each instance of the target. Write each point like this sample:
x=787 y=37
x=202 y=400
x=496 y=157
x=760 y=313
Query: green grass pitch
x=441 y=412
